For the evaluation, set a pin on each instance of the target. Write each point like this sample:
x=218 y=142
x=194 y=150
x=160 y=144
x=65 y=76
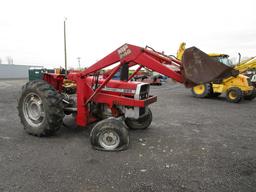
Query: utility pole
x=239 y=58
x=65 y=48
x=78 y=59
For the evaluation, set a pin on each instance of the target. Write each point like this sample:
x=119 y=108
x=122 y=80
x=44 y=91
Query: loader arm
x=246 y=65
x=134 y=55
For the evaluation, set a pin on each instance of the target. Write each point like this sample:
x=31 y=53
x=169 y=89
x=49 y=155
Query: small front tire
x=110 y=135
x=141 y=123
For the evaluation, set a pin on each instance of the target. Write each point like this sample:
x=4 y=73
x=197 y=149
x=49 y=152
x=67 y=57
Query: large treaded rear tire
x=141 y=123
x=40 y=108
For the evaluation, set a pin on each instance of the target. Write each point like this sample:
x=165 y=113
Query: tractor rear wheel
x=40 y=108
x=141 y=123
x=234 y=95
x=110 y=135
x=202 y=90
x=251 y=95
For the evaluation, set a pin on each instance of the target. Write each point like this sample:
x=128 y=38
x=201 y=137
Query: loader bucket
x=198 y=68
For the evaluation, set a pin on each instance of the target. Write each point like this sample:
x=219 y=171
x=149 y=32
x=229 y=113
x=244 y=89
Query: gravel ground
x=191 y=145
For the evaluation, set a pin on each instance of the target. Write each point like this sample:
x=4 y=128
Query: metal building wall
x=13 y=71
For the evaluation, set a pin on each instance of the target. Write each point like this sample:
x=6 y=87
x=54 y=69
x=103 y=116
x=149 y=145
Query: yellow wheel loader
x=236 y=87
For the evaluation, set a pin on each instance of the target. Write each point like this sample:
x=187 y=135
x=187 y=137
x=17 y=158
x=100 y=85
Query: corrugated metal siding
x=14 y=71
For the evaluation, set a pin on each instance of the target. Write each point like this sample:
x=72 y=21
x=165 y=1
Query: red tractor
x=113 y=105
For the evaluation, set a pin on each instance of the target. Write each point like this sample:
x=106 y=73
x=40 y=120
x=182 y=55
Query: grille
x=144 y=91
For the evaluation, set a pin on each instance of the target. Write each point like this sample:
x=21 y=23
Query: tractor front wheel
x=110 y=135
x=234 y=95
x=141 y=123
x=40 y=108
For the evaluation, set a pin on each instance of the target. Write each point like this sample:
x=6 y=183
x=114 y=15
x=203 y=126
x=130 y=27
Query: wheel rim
x=232 y=95
x=109 y=140
x=199 y=89
x=33 y=110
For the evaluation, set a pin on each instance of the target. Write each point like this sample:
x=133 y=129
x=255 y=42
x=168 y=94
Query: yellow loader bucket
x=198 y=68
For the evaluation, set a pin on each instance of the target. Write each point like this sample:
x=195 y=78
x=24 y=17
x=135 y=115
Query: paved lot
x=192 y=145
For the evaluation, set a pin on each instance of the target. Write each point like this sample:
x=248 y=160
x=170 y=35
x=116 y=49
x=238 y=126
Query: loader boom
x=134 y=55
x=246 y=65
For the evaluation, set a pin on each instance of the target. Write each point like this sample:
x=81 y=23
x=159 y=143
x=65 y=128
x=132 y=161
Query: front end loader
x=236 y=86
x=111 y=106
